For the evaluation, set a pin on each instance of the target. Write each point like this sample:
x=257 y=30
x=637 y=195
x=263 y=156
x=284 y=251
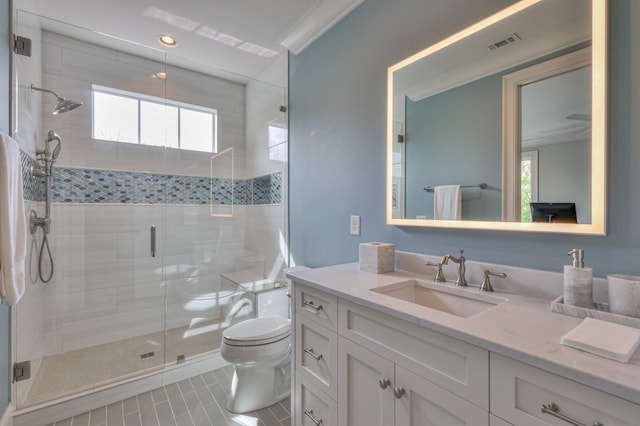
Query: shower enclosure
x=142 y=227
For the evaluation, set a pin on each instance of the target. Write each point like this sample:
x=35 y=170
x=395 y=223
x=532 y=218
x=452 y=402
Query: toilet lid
x=258 y=329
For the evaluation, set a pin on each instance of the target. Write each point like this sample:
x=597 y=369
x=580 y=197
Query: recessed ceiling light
x=167 y=40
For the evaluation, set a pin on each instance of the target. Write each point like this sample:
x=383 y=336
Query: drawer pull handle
x=312 y=306
x=398 y=392
x=554 y=410
x=310 y=352
x=384 y=383
x=309 y=413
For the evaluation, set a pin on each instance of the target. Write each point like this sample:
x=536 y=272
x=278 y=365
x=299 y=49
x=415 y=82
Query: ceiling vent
x=507 y=40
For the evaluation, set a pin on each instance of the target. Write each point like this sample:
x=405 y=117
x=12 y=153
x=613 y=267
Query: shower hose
x=45 y=243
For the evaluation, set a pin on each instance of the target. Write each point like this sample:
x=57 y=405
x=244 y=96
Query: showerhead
x=63 y=104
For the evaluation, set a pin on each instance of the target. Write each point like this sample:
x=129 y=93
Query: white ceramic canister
x=624 y=294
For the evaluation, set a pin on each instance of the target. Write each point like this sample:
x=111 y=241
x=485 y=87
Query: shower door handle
x=153 y=241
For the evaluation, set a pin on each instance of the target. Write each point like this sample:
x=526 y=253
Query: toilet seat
x=257 y=331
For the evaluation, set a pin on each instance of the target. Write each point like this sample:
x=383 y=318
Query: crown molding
x=317 y=22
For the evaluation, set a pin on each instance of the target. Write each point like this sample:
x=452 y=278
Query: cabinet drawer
x=312 y=406
x=316 y=354
x=519 y=392
x=317 y=305
x=458 y=367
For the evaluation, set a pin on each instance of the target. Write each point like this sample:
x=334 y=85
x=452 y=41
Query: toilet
x=260 y=350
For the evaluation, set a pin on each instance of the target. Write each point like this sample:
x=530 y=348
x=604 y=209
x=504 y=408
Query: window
x=129 y=117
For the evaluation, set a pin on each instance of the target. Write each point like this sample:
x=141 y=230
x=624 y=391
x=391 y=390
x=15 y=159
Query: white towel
x=13 y=226
x=447 y=202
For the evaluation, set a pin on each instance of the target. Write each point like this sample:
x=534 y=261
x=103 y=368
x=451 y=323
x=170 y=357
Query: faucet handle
x=486 y=283
x=439 y=274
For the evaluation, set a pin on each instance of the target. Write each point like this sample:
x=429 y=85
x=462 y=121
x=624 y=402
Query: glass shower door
x=100 y=319
x=226 y=242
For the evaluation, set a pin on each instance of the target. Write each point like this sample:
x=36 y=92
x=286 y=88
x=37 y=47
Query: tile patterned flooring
x=197 y=401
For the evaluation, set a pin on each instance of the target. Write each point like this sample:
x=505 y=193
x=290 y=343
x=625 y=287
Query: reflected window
x=121 y=116
x=528 y=183
x=278 y=137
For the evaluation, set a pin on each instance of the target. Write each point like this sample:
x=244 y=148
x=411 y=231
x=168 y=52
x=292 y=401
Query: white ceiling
x=263 y=27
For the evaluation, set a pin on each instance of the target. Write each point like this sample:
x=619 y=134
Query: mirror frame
x=599 y=79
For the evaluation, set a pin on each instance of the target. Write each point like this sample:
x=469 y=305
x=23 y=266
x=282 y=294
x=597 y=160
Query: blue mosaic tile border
x=32 y=189
x=72 y=185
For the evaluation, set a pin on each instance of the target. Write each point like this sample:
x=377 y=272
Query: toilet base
x=253 y=389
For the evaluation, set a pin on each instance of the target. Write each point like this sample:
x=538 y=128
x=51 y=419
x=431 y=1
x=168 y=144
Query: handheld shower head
x=63 y=104
x=53 y=136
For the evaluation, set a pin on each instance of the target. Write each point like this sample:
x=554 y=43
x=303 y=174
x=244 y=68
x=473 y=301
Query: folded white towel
x=13 y=226
x=607 y=339
x=447 y=202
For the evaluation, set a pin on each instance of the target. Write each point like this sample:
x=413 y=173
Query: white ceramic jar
x=624 y=294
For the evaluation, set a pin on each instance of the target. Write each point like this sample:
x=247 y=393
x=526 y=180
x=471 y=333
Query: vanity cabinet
x=520 y=391
x=373 y=369
x=357 y=366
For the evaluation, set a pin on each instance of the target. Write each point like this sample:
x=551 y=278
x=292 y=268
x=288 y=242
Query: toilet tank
x=273 y=302
x=268 y=297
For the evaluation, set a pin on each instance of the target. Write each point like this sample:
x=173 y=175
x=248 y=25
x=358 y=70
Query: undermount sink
x=463 y=302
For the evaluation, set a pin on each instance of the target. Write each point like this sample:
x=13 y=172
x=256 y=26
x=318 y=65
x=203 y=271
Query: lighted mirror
x=502 y=126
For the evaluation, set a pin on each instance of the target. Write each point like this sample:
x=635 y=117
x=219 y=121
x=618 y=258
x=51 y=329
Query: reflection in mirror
x=547 y=139
x=509 y=103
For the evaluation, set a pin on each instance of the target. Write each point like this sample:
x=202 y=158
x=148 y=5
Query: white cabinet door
x=422 y=403
x=362 y=399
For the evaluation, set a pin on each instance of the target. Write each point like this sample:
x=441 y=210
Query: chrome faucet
x=461 y=281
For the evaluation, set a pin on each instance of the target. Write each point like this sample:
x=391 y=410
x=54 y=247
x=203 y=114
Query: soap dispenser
x=578 y=282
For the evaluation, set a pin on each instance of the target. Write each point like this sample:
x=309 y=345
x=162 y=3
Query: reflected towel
x=447 y=202
x=13 y=227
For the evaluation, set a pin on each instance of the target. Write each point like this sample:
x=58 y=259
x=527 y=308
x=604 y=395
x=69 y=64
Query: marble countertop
x=522 y=328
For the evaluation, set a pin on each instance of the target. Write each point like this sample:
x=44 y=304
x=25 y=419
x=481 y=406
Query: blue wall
x=5 y=104
x=455 y=137
x=337 y=104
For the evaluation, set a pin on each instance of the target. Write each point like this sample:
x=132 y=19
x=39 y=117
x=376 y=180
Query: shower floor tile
x=80 y=370
x=197 y=401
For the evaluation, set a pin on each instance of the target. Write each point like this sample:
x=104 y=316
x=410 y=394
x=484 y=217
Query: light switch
x=355 y=225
